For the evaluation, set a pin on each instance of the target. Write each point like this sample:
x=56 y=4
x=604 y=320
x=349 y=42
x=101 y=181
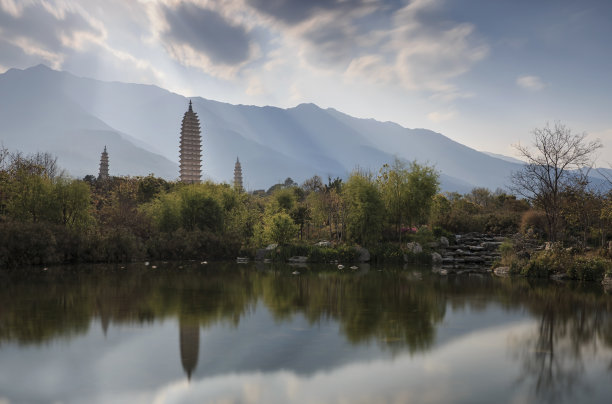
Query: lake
x=257 y=333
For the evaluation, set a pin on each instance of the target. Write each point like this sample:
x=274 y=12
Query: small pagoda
x=238 y=176
x=190 y=148
x=103 y=172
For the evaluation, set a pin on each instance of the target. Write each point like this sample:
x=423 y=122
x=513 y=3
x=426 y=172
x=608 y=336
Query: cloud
x=531 y=83
x=45 y=31
x=208 y=32
x=431 y=51
x=46 y=25
x=441 y=116
x=380 y=42
x=296 y=11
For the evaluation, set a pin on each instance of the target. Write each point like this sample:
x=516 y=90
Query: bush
x=27 y=244
x=387 y=253
x=315 y=254
x=588 y=269
x=534 y=220
x=537 y=268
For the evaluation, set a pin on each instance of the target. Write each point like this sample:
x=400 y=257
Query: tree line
x=48 y=217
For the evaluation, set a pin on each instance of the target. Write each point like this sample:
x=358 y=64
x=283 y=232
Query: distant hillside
x=42 y=109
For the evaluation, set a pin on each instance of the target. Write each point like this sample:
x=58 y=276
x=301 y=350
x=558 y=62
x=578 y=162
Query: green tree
x=440 y=211
x=365 y=208
x=393 y=184
x=423 y=184
x=200 y=210
x=280 y=228
x=30 y=198
x=72 y=199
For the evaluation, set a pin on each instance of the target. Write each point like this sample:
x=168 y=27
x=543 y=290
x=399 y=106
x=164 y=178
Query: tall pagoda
x=190 y=148
x=103 y=172
x=238 y=176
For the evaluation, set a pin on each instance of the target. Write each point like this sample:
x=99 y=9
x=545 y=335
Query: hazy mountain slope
x=38 y=117
x=80 y=115
x=423 y=145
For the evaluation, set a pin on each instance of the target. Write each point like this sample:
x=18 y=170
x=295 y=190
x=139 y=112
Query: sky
x=483 y=72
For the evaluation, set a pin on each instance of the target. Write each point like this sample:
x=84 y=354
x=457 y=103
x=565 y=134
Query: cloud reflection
x=438 y=377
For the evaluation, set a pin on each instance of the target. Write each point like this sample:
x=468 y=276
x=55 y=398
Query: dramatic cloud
x=531 y=83
x=422 y=51
x=297 y=11
x=206 y=31
x=46 y=30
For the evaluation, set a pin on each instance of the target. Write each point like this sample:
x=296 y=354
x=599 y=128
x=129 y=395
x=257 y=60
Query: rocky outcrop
x=436 y=259
x=363 y=254
x=472 y=252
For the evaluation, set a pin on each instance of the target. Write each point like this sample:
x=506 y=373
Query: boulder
x=414 y=247
x=363 y=254
x=502 y=271
x=444 y=242
x=607 y=281
x=324 y=243
x=271 y=246
x=436 y=259
x=260 y=254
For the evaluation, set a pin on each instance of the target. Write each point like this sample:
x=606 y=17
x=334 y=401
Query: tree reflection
x=397 y=309
x=571 y=324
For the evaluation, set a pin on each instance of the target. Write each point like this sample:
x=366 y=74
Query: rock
x=271 y=246
x=260 y=254
x=324 y=243
x=490 y=245
x=363 y=254
x=607 y=281
x=444 y=242
x=502 y=271
x=433 y=244
x=561 y=276
x=414 y=247
x=298 y=259
x=436 y=259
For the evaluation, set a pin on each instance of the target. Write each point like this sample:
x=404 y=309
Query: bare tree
x=558 y=160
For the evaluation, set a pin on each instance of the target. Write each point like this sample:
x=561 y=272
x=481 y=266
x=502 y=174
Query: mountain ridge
x=298 y=142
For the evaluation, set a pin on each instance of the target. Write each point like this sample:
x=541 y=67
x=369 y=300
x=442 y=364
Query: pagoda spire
x=103 y=172
x=238 y=176
x=190 y=148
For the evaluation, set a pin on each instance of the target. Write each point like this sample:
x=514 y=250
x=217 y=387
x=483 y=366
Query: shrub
x=588 y=269
x=534 y=220
x=387 y=253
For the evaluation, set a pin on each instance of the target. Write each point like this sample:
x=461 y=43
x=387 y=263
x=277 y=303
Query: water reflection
x=190 y=345
x=409 y=315
x=573 y=327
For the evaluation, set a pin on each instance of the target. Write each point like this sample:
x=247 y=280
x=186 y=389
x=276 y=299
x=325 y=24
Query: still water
x=228 y=333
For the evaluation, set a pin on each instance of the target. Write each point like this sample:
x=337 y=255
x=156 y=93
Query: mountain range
x=74 y=118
